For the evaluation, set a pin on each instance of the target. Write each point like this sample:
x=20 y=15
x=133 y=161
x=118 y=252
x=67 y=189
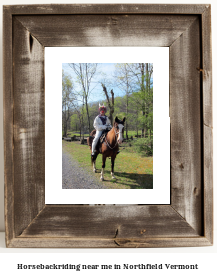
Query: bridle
x=116 y=133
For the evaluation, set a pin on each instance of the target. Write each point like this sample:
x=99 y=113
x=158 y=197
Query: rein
x=116 y=140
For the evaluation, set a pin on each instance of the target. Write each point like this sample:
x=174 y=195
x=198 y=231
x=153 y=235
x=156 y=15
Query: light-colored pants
x=96 y=139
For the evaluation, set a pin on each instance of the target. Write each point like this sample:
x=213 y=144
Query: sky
x=97 y=93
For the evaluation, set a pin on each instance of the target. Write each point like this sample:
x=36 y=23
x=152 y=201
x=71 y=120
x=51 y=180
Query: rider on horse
x=101 y=123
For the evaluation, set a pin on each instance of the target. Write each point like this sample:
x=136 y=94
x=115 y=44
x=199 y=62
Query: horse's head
x=119 y=128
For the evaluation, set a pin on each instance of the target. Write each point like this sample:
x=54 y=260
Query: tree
x=67 y=101
x=84 y=73
x=142 y=92
x=110 y=102
x=75 y=124
x=124 y=80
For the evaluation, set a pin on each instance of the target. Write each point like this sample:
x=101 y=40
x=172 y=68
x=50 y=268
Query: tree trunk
x=82 y=124
x=65 y=131
x=147 y=90
x=110 y=103
x=111 y=117
x=143 y=90
x=88 y=116
x=143 y=129
x=65 y=124
x=127 y=103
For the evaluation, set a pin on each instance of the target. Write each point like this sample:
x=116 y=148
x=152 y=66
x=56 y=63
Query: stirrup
x=118 y=152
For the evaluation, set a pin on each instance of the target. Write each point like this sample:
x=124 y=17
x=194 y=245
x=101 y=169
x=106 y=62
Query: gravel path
x=75 y=177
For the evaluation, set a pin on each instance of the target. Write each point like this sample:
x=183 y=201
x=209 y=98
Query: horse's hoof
x=113 y=177
x=94 y=170
x=102 y=179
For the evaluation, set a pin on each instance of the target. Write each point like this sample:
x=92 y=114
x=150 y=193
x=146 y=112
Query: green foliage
x=67 y=100
x=133 y=133
x=118 y=103
x=67 y=87
x=120 y=115
x=143 y=146
x=74 y=122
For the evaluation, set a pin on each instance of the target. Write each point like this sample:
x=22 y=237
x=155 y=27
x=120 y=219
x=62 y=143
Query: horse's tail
x=90 y=141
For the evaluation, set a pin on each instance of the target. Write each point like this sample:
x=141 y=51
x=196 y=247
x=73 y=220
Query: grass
x=131 y=170
x=131 y=133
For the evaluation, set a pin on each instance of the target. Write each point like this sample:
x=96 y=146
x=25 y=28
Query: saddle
x=101 y=138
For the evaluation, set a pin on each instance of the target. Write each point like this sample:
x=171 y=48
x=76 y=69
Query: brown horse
x=109 y=147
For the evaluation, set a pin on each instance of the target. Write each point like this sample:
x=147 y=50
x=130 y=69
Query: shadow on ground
x=134 y=180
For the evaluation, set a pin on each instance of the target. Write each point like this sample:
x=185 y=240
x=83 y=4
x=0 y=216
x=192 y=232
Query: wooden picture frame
x=186 y=30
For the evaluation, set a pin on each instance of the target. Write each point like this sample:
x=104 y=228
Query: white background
x=204 y=256
x=159 y=56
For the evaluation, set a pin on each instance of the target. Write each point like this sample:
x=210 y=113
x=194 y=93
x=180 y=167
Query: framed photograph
x=146 y=110
x=41 y=44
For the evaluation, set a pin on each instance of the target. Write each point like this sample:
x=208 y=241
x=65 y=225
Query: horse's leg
x=94 y=166
x=103 y=166
x=93 y=161
x=112 y=166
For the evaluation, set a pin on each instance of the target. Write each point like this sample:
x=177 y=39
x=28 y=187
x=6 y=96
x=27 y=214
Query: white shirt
x=98 y=125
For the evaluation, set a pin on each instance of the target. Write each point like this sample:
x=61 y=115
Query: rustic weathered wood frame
x=188 y=220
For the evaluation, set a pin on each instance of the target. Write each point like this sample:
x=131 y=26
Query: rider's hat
x=102 y=107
